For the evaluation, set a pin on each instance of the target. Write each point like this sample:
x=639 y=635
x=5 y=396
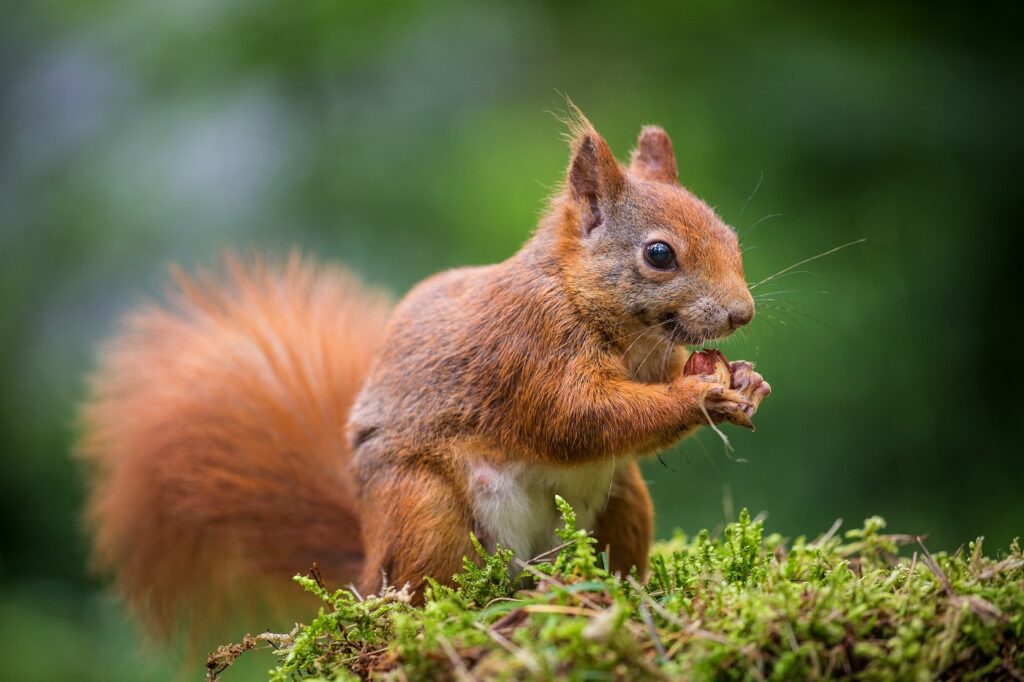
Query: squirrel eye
x=659 y=255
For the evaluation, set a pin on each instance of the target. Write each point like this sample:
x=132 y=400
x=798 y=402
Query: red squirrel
x=279 y=415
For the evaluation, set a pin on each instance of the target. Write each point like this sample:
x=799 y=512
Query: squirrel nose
x=741 y=314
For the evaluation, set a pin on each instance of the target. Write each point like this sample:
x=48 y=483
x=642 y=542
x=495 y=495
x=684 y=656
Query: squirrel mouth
x=678 y=333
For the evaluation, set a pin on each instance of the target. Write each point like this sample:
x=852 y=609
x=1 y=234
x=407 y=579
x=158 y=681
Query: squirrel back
x=214 y=437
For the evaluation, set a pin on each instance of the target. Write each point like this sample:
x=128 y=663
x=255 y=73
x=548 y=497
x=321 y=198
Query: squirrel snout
x=740 y=313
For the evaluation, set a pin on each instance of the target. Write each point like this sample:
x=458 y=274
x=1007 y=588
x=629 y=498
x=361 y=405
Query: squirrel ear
x=653 y=158
x=595 y=178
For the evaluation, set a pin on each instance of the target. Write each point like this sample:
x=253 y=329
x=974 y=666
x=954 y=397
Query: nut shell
x=711 y=362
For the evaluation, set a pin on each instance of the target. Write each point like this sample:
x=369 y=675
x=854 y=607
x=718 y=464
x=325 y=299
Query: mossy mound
x=738 y=606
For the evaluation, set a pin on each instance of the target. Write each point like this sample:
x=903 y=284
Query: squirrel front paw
x=750 y=384
x=714 y=400
x=735 y=392
x=728 y=405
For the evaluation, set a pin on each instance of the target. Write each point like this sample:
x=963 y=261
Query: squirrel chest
x=514 y=503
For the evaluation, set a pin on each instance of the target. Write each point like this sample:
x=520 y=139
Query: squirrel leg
x=626 y=525
x=416 y=525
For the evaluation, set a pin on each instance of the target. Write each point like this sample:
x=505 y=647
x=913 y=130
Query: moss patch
x=738 y=606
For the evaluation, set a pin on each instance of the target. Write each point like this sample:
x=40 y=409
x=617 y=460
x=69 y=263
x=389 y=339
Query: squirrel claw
x=742 y=417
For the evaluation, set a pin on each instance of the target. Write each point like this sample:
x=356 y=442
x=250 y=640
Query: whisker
x=788 y=317
x=761 y=296
x=760 y=179
x=761 y=220
x=807 y=260
x=772 y=321
x=639 y=336
x=573 y=339
x=787 y=310
x=667 y=357
x=654 y=348
x=797 y=272
x=776 y=303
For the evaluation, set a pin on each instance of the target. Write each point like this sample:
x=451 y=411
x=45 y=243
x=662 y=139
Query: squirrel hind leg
x=421 y=529
x=625 y=527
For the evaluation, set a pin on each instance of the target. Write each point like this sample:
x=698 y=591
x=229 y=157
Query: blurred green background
x=401 y=138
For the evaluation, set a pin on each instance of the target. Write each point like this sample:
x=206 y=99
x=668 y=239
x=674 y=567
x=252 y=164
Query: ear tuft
x=584 y=182
x=594 y=177
x=653 y=158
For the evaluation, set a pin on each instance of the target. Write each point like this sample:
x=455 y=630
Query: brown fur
x=215 y=436
x=529 y=360
x=215 y=428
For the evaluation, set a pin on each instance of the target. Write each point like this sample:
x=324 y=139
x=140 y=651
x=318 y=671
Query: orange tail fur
x=214 y=437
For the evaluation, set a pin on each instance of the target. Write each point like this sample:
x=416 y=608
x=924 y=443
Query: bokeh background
x=402 y=138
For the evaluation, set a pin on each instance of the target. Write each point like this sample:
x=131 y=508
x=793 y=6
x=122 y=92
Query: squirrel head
x=641 y=250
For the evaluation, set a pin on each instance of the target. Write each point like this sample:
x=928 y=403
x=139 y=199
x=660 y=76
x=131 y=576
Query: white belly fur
x=514 y=504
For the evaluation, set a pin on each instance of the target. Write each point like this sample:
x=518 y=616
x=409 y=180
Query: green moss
x=740 y=606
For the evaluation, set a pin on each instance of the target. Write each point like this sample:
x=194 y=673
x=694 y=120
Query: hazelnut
x=711 y=362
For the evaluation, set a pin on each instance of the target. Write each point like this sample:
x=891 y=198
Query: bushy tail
x=214 y=438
